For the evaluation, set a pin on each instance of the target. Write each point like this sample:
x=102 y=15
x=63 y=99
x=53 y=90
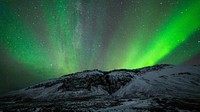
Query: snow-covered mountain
x=156 y=88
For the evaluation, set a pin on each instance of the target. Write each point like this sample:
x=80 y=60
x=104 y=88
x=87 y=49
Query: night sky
x=42 y=39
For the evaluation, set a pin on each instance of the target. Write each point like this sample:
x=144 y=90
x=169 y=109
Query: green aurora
x=42 y=39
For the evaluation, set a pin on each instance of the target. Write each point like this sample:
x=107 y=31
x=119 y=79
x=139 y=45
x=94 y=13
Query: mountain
x=155 y=88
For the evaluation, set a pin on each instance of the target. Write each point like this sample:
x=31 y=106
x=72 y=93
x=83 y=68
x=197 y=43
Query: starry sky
x=42 y=39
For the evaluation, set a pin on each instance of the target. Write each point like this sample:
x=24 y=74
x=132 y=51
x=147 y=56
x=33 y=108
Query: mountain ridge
x=122 y=89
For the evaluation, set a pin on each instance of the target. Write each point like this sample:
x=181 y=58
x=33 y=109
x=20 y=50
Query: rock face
x=156 y=88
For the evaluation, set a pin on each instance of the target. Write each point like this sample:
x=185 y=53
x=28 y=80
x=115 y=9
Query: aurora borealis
x=42 y=39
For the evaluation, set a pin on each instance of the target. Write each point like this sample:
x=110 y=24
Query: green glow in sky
x=176 y=31
x=45 y=39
